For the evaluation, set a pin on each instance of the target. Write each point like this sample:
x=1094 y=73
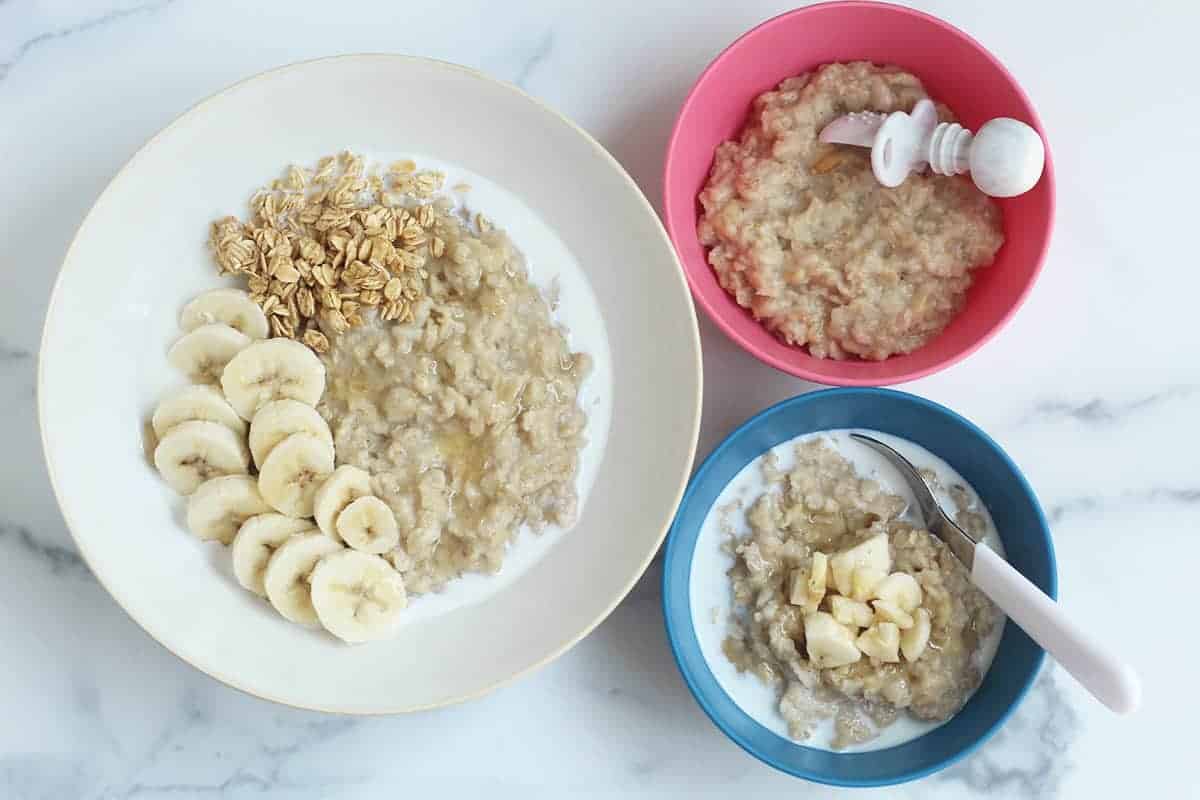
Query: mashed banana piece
x=802 y=235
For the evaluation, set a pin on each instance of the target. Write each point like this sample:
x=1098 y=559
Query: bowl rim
x=789 y=365
x=682 y=574
x=505 y=86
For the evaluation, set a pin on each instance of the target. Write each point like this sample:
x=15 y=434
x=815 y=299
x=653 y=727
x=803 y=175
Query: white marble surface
x=1090 y=389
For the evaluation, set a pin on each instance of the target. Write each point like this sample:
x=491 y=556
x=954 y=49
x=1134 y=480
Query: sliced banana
x=358 y=597
x=278 y=420
x=340 y=489
x=798 y=589
x=850 y=612
x=195 y=402
x=202 y=353
x=256 y=540
x=195 y=451
x=864 y=582
x=818 y=578
x=232 y=307
x=872 y=553
x=881 y=641
x=807 y=586
x=286 y=578
x=274 y=369
x=292 y=473
x=886 y=611
x=219 y=506
x=369 y=525
x=900 y=589
x=829 y=643
x=914 y=640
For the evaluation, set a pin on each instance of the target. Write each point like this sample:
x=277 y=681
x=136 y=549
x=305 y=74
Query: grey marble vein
x=90 y=24
x=1092 y=504
x=1101 y=411
x=9 y=353
x=261 y=771
x=58 y=559
x=540 y=53
x=43 y=777
x=1047 y=720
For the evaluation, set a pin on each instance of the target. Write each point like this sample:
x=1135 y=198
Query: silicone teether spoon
x=1108 y=678
x=1005 y=158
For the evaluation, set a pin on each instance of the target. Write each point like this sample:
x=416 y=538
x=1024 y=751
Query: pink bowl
x=955 y=69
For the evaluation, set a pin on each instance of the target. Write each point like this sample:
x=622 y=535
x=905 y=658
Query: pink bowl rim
x=800 y=370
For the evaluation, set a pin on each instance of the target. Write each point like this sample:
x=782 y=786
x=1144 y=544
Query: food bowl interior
x=1000 y=486
x=140 y=254
x=954 y=69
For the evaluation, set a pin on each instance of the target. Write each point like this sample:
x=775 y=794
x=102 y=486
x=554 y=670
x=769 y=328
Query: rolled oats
x=319 y=244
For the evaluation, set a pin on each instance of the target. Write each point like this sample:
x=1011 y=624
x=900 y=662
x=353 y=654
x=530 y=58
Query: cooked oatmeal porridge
x=851 y=615
x=802 y=235
x=466 y=416
x=386 y=403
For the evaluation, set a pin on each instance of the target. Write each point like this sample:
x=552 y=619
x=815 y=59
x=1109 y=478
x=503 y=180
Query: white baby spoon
x=1005 y=158
x=1108 y=678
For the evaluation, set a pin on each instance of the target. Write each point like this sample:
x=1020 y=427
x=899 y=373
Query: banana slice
x=886 y=611
x=256 y=540
x=194 y=451
x=850 y=612
x=291 y=474
x=202 y=353
x=278 y=420
x=900 y=589
x=862 y=585
x=219 y=506
x=369 y=525
x=358 y=597
x=196 y=402
x=881 y=641
x=798 y=589
x=807 y=587
x=274 y=369
x=233 y=307
x=286 y=577
x=343 y=487
x=829 y=643
x=914 y=640
x=818 y=578
x=872 y=553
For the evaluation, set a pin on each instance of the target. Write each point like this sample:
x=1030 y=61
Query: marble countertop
x=1089 y=389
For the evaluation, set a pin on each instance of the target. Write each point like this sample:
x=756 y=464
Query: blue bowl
x=1004 y=491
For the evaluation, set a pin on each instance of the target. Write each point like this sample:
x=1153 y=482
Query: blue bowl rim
x=671 y=553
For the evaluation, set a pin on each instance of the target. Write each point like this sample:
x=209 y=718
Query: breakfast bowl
x=954 y=69
x=697 y=588
x=140 y=256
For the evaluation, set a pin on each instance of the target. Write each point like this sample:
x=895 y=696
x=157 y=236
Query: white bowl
x=140 y=254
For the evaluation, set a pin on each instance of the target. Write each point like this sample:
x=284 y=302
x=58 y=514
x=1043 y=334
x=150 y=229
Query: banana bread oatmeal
x=802 y=235
x=465 y=414
x=849 y=612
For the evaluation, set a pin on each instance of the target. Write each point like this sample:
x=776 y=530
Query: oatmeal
x=466 y=414
x=382 y=408
x=850 y=613
x=802 y=235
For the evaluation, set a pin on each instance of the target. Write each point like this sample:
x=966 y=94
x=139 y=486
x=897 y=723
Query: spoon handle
x=1110 y=680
